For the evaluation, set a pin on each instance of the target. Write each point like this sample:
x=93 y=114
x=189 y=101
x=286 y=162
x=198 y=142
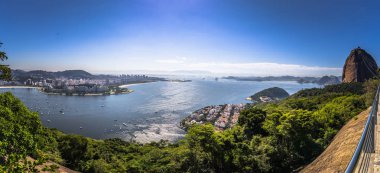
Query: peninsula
x=76 y=82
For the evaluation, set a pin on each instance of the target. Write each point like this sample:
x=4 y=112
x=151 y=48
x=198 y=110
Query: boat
x=125 y=124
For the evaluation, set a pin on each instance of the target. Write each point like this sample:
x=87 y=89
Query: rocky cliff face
x=359 y=66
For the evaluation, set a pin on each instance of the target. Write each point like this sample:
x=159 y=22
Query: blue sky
x=246 y=37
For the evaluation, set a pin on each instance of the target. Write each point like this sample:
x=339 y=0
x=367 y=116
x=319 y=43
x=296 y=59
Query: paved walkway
x=375 y=158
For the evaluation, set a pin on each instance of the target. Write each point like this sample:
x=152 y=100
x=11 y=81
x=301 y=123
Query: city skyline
x=258 y=38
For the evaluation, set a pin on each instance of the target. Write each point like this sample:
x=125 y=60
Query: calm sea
x=150 y=113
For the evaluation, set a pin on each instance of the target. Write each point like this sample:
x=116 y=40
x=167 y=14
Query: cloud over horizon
x=255 y=69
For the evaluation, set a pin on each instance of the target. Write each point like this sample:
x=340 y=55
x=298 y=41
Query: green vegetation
x=5 y=71
x=272 y=137
x=21 y=135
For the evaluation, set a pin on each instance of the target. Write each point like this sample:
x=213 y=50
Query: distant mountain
x=74 y=74
x=325 y=81
x=328 y=80
x=20 y=75
x=273 y=78
x=359 y=66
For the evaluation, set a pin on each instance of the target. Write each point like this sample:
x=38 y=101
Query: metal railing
x=361 y=159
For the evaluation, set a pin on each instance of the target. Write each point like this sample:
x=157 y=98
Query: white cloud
x=263 y=69
x=256 y=69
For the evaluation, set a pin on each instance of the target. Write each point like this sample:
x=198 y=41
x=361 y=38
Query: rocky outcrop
x=274 y=93
x=359 y=67
x=328 y=80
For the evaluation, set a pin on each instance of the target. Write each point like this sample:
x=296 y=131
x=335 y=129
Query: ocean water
x=150 y=113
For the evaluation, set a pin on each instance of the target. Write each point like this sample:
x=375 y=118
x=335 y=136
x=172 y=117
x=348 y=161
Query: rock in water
x=359 y=66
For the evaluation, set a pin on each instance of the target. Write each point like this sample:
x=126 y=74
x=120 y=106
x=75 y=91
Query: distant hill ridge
x=74 y=73
x=325 y=80
x=47 y=74
x=21 y=75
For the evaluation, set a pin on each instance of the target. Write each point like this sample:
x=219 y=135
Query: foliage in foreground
x=5 y=71
x=21 y=135
x=271 y=137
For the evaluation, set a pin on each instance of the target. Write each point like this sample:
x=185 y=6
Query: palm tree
x=5 y=71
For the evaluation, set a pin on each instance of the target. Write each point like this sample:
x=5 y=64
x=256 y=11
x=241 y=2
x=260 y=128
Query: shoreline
x=88 y=94
x=14 y=87
x=64 y=94
x=132 y=84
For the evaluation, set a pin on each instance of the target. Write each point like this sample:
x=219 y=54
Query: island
x=269 y=94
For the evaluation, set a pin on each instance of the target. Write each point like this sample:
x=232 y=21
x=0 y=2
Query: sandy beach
x=127 y=85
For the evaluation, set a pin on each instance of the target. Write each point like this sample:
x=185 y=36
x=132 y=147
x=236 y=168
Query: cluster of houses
x=62 y=82
x=221 y=116
x=66 y=86
x=265 y=99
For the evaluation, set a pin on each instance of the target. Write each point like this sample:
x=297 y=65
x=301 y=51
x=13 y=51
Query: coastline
x=13 y=87
x=88 y=94
x=64 y=94
x=132 y=84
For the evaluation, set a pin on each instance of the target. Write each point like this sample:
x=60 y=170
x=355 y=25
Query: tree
x=73 y=148
x=19 y=130
x=203 y=145
x=6 y=72
x=251 y=119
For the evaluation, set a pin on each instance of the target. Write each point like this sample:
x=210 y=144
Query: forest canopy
x=270 y=137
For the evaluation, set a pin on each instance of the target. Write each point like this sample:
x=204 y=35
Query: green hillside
x=272 y=137
x=274 y=93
